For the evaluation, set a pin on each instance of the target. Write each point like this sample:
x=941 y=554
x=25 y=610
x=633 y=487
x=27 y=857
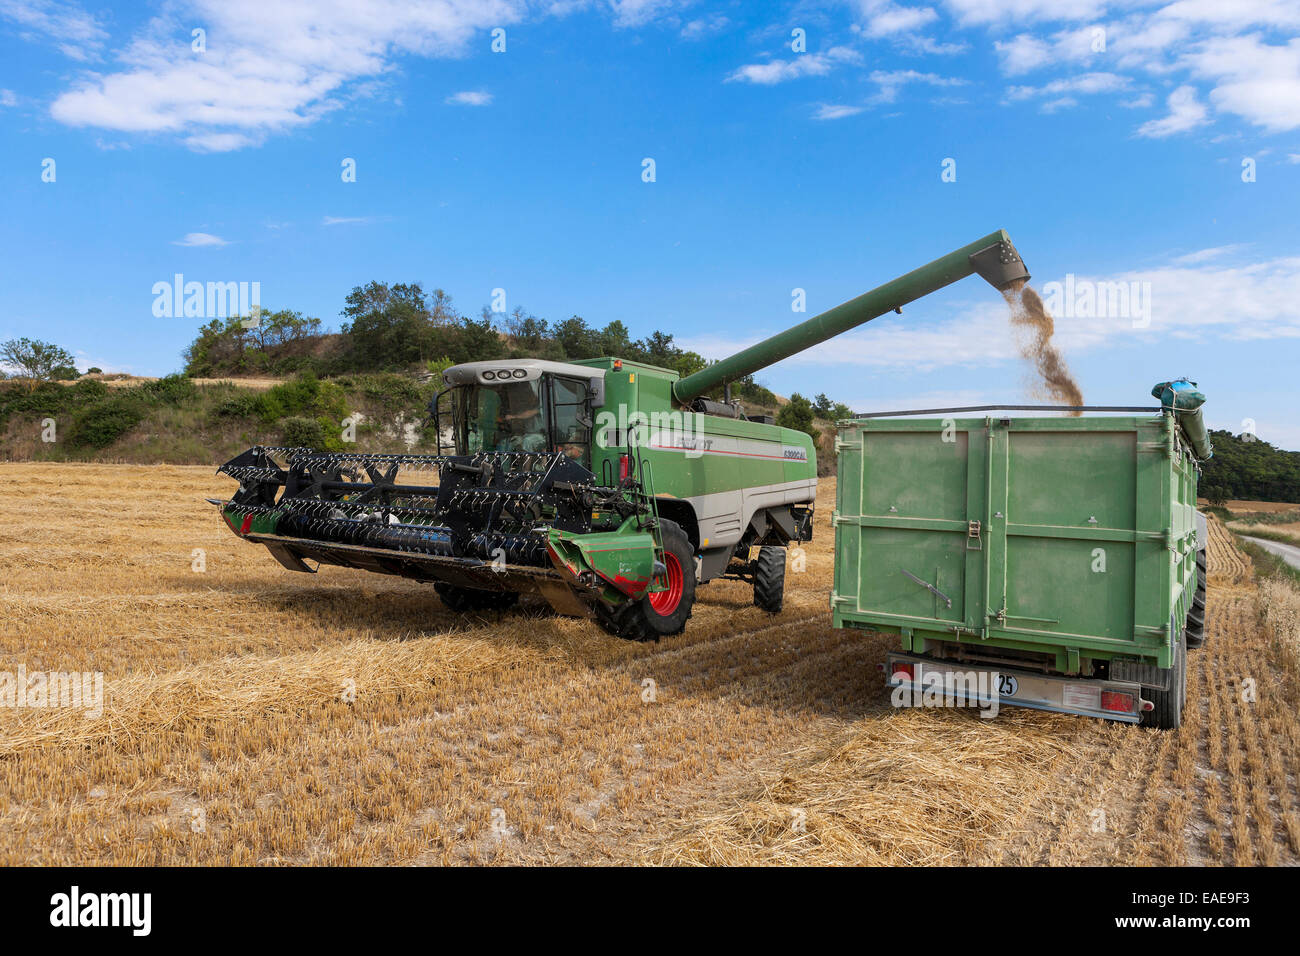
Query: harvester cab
x=609 y=487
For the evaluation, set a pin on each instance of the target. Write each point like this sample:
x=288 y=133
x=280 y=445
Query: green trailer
x=1047 y=562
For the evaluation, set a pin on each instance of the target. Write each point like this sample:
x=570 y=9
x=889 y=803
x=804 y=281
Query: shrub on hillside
x=103 y=423
x=304 y=395
x=243 y=405
x=299 y=431
x=172 y=390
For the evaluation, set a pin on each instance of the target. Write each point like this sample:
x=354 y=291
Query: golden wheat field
x=230 y=733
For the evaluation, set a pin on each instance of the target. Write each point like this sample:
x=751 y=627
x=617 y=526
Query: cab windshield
x=547 y=414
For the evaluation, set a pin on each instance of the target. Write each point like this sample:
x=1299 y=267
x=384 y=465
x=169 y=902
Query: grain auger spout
x=993 y=258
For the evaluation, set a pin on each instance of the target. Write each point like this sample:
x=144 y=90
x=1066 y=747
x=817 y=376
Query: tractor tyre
x=661 y=613
x=1168 y=712
x=462 y=600
x=1196 y=615
x=769 y=579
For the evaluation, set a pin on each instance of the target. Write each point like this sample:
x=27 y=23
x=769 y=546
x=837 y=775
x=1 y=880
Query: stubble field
x=258 y=716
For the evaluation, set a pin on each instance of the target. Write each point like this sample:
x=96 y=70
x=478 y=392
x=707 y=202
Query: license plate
x=1083 y=696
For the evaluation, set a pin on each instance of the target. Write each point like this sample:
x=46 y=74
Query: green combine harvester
x=610 y=488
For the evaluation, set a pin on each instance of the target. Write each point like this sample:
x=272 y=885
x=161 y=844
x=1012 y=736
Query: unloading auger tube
x=993 y=258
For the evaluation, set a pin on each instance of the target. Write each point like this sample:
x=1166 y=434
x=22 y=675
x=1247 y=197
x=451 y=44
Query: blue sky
x=1155 y=145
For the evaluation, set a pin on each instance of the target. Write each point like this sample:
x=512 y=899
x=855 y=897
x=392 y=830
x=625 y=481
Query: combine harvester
x=609 y=487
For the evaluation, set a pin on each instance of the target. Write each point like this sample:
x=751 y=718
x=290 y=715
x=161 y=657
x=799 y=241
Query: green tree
x=391 y=326
x=36 y=360
x=798 y=414
x=614 y=340
x=577 y=338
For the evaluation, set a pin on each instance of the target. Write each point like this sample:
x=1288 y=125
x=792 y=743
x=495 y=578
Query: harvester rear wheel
x=475 y=599
x=769 y=579
x=1168 y=712
x=1196 y=616
x=661 y=613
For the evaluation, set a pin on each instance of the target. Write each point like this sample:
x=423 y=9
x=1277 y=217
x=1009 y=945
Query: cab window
x=570 y=419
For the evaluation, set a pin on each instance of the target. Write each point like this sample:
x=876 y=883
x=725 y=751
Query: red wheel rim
x=666 y=601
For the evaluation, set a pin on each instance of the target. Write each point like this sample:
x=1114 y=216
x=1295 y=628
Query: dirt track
x=227 y=736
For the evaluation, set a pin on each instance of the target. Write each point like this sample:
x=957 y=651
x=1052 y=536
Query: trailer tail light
x=1117 y=702
x=904 y=669
x=623 y=466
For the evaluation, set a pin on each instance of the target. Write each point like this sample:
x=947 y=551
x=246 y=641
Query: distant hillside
x=1247 y=468
x=175 y=420
x=180 y=420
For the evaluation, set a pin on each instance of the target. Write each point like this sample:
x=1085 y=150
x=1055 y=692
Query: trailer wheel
x=1196 y=615
x=1168 y=712
x=461 y=599
x=662 y=613
x=769 y=579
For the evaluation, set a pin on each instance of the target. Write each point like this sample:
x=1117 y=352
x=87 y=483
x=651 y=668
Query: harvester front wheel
x=659 y=613
x=475 y=599
x=769 y=579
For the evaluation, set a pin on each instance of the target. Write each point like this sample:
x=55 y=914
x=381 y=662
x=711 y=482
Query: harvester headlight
x=520 y=373
x=489 y=374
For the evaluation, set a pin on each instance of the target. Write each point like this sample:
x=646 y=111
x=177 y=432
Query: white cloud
x=704 y=26
x=1236 y=15
x=1061 y=103
x=200 y=239
x=1026 y=52
x=804 y=64
x=345 y=220
x=914 y=43
x=8 y=98
x=1023 y=53
x=634 y=13
x=1256 y=80
x=220 y=142
x=891 y=81
x=834 y=111
x=268 y=67
x=881 y=18
x=1204 y=255
x=1244 y=74
x=970 y=12
x=1185 y=112
x=74 y=31
x=1086 y=84
x=470 y=98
